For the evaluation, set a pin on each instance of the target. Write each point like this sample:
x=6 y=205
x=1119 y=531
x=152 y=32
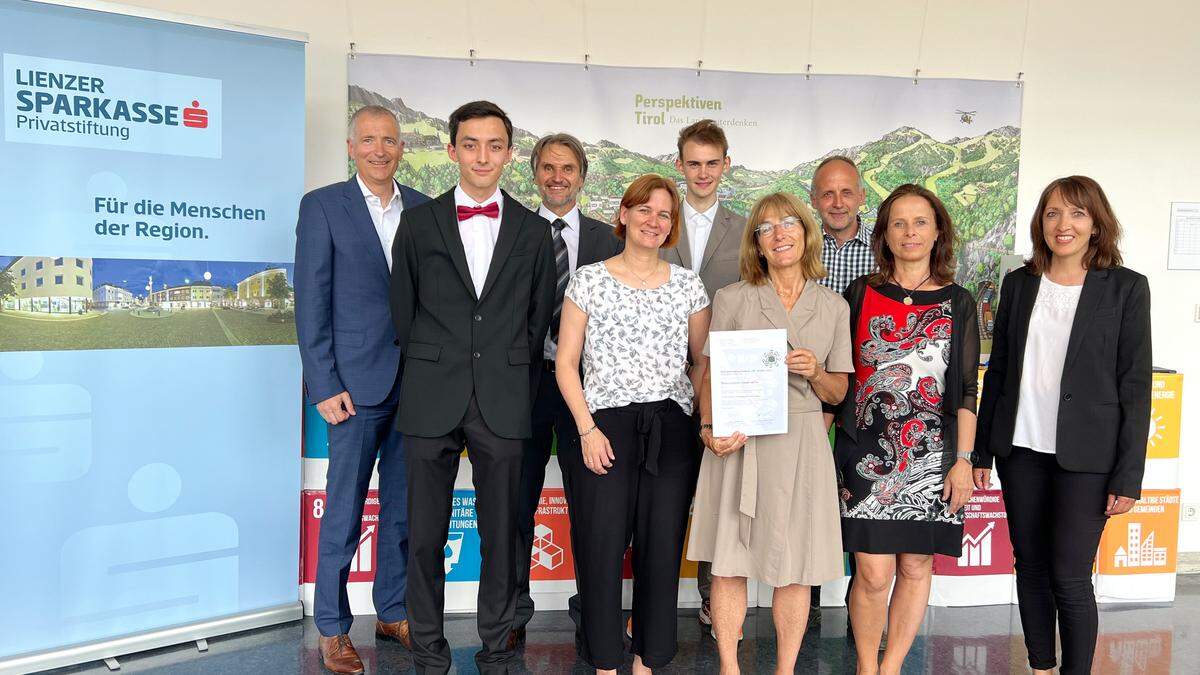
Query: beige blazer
x=720 y=265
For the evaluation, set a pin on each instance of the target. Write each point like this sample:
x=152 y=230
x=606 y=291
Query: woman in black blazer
x=1066 y=411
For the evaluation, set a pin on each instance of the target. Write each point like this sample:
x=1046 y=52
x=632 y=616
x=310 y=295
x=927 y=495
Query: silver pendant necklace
x=908 y=294
x=640 y=277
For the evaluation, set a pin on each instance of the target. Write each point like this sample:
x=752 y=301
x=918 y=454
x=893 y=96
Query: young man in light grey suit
x=709 y=244
x=711 y=234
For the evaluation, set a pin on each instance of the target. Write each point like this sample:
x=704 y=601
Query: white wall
x=1110 y=90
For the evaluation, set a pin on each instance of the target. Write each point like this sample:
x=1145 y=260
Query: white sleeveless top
x=1041 y=377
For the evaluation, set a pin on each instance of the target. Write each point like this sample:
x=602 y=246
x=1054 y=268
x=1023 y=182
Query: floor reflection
x=1134 y=640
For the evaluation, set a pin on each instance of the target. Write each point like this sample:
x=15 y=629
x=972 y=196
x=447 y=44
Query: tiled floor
x=1151 y=639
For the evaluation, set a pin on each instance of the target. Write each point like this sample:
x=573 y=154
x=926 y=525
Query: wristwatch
x=965 y=455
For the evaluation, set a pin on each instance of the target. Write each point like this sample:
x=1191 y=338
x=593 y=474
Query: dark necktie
x=562 y=268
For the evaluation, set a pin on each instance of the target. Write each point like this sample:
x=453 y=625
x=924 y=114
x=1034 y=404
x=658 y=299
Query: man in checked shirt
x=837 y=195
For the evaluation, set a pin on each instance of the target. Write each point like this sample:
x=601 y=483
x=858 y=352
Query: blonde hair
x=753 y=265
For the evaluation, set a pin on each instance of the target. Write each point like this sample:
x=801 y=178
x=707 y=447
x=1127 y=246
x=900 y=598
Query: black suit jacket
x=456 y=344
x=597 y=241
x=1104 y=397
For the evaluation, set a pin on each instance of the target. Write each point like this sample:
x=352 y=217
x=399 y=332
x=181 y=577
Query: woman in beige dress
x=767 y=507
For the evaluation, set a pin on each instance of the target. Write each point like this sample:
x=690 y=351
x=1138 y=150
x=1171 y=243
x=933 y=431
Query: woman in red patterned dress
x=905 y=436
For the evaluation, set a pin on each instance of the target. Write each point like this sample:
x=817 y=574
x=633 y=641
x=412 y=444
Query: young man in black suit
x=559 y=169
x=473 y=284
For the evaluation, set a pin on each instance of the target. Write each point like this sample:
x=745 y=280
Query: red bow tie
x=490 y=210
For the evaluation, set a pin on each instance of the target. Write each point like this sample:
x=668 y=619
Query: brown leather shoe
x=516 y=638
x=396 y=631
x=339 y=656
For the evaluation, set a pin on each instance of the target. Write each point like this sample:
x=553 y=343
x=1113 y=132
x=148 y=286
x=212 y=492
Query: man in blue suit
x=352 y=369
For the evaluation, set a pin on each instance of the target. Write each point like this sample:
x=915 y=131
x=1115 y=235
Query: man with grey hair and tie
x=559 y=168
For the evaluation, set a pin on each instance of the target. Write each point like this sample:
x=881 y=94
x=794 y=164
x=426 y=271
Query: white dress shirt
x=570 y=235
x=699 y=227
x=385 y=218
x=479 y=235
x=1041 y=375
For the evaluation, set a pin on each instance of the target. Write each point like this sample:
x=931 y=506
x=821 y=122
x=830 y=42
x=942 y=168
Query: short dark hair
x=704 y=132
x=941 y=258
x=475 y=110
x=1086 y=193
x=566 y=140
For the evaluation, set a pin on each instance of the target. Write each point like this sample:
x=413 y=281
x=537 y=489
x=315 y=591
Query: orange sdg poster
x=1145 y=540
x=1166 y=408
x=552 y=558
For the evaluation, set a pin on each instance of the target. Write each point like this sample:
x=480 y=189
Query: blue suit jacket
x=343 y=321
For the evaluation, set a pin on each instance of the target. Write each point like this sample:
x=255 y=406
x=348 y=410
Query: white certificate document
x=749 y=381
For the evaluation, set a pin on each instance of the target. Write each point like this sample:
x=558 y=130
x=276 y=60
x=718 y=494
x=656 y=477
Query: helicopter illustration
x=966 y=116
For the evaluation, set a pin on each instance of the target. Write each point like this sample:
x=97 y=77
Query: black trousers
x=644 y=497
x=551 y=419
x=496 y=471
x=1055 y=519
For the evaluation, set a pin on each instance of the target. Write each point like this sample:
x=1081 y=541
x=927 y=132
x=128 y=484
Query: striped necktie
x=562 y=268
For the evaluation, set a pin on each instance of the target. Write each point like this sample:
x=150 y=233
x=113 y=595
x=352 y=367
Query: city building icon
x=546 y=553
x=364 y=557
x=1140 y=552
x=977 y=549
x=970 y=659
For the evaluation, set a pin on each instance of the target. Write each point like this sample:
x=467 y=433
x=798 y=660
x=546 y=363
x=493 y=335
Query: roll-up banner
x=149 y=417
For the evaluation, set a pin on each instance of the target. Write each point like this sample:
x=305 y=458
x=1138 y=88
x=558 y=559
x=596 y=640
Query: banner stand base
x=105 y=650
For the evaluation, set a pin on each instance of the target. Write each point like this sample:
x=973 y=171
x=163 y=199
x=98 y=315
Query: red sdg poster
x=986 y=547
x=551 y=558
x=362 y=566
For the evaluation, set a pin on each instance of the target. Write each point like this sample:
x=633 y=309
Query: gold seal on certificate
x=749 y=381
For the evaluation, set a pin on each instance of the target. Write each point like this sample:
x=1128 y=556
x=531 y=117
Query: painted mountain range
x=975 y=176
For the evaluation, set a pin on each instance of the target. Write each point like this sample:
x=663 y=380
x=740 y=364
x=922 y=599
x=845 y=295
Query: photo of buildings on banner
x=55 y=303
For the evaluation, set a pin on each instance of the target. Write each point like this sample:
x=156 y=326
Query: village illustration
x=974 y=174
x=55 y=303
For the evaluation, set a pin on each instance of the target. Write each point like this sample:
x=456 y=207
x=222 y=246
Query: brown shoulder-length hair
x=753 y=265
x=639 y=192
x=1087 y=194
x=941 y=258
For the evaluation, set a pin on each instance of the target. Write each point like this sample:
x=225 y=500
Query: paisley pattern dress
x=891 y=478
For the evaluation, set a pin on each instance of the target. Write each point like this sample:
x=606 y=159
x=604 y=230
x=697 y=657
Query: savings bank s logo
x=195 y=116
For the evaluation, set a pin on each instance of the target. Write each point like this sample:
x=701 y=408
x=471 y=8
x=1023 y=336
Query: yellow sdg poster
x=1165 y=412
x=1145 y=540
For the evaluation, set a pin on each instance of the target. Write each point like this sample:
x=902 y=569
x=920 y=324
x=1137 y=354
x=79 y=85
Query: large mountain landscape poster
x=960 y=138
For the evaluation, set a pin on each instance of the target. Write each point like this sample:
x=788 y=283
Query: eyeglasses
x=789 y=223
